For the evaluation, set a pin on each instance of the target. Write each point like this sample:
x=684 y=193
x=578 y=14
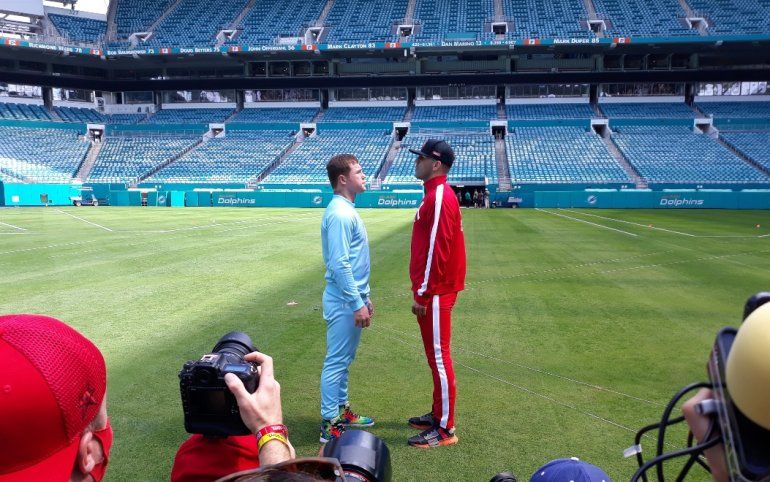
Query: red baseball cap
x=202 y=459
x=52 y=384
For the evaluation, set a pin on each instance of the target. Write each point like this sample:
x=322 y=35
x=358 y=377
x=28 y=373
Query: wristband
x=277 y=428
x=271 y=436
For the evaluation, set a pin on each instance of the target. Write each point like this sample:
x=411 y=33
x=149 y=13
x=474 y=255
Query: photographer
x=208 y=458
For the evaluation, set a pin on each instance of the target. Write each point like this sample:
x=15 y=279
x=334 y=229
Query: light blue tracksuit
x=346 y=256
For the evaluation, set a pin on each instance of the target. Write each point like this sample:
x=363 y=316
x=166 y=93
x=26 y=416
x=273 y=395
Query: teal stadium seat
x=474 y=157
x=41 y=155
x=307 y=164
x=675 y=154
x=654 y=110
x=560 y=155
x=79 y=29
x=126 y=158
x=235 y=158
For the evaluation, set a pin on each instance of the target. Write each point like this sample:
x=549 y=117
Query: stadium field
x=574 y=330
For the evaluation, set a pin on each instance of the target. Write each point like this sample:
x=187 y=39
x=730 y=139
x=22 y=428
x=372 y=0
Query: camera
x=363 y=456
x=209 y=407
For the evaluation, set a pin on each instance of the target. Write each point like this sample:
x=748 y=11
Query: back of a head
x=53 y=383
x=569 y=470
x=748 y=367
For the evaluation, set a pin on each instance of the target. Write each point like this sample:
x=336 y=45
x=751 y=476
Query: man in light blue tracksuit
x=346 y=305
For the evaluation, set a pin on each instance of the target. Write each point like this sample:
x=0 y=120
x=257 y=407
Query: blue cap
x=569 y=470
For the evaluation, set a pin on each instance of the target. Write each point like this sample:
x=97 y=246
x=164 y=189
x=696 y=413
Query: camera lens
x=235 y=343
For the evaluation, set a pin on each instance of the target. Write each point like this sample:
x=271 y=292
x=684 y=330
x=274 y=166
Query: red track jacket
x=437 y=265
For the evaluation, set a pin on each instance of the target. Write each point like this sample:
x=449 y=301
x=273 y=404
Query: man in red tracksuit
x=437 y=271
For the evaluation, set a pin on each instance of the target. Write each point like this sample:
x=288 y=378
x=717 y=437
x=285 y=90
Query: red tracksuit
x=437 y=270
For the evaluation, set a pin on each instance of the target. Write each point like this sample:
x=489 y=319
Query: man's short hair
x=51 y=390
x=339 y=165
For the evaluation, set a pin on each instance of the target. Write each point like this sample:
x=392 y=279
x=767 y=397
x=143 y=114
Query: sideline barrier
x=39 y=194
x=653 y=200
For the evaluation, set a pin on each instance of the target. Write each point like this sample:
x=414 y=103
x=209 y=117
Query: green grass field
x=574 y=330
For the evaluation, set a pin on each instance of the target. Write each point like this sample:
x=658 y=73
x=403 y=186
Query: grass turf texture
x=568 y=338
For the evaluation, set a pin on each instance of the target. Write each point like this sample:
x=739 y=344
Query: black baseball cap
x=437 y=150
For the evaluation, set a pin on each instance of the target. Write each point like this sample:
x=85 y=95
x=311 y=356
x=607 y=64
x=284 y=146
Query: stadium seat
x=364 y=114
x=751 y=144
x=474 y=157
x=14 y=111
x=546 y=18
x=549 y=111
x=79 y=29
x=137 y=15
x=749 y=17
x=195 y=23
x=307 y=164
x=674 y=154
x=452 y=19
x=189 y=116
x=235 y=158
x=644 y=18
x=736 y=109
x=41 y=155
x=267 y=115
x=455 y=113
x=125 y=158
x=560 y=155
x=653 y=110
x=270 y=19
x=353 y=21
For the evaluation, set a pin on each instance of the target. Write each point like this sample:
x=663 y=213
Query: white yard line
x=664 y=229
x=85 y=220
x=630 y=222
x=12 y=226
x=588 y=222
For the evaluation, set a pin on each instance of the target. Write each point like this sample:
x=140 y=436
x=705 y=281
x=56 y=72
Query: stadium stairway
x=395 y=147
x=499 y=12
x=598 y=111
x=409 y=15
x=88 y=162
x=501 y=113
x=747 y=159
x=112 y=27
x=324 y=13
x=55 y=115
x=408 y=114
x=698 y=111
x=239 y=19
x=630 y=170
x=233 y=114
x=590 y=8
x=163 y=15
x=252 y=183
x=171 y=160
x=503 y=172
x=318 y=116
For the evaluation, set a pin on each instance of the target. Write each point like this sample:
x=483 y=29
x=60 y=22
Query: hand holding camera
x=262 y=407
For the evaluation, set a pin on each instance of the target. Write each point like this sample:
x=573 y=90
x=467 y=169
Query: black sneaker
x=423 y=422
x=434 y=437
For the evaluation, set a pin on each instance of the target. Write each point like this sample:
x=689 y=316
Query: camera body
x=209 y=407
x=747 y=445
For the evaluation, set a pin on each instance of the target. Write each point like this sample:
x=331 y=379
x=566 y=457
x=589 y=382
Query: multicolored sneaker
x=331 y=429
x=423 y=422
x=434 y=437
x=349 y=418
